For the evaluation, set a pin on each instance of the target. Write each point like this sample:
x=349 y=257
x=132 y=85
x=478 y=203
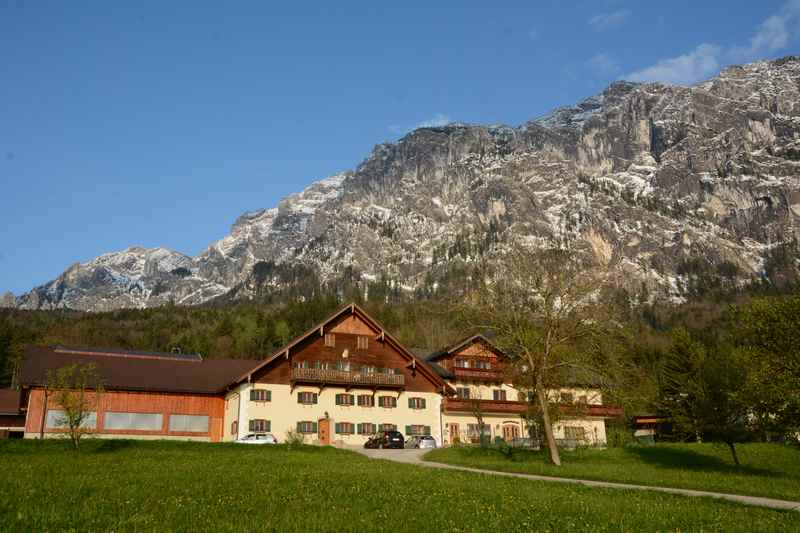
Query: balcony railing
x=477 y=374
x=344 y=377
x=509 y=406
x=486 y=406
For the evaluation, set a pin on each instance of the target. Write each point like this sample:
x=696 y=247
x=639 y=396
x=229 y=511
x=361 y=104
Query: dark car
x=386 y=439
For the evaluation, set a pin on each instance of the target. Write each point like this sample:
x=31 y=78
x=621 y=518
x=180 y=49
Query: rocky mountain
x=668 y=186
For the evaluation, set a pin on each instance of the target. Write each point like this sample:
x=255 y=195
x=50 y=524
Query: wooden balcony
x=343 y=377
x=477 y=374
x=459 y=405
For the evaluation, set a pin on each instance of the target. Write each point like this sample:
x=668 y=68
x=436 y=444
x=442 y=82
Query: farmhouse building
x=483 y=381
x=338 y=383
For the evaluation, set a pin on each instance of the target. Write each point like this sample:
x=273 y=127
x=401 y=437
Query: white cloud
x=438 y=120
x=603 y=64
x=607 y=21
x=698 y=64
x=773 y=34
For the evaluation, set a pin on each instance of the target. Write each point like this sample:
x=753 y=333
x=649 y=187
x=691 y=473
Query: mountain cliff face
x=661 y=183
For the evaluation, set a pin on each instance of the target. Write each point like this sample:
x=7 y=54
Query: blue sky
x=158 y=123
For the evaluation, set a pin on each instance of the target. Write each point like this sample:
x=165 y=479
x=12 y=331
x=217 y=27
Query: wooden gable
x=348 y=336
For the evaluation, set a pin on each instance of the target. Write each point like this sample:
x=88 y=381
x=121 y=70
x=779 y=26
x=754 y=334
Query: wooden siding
x=142 y=402
x=379 y=353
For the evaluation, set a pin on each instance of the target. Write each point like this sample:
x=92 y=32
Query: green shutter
x=423 y=403
x=269 y=395
x=299 y=427
x=337 y=427
x=338 y=401
x=427 y=430
x=313 y=426
x=315 y=400
x=269 y=425
x=408 y=430
x=411 y=403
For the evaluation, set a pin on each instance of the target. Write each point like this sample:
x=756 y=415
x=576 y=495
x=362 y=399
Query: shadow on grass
x=112 y=445
x=679 y=458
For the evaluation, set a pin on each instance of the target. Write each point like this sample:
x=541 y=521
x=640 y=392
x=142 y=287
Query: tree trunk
x=555 y=457
x=732 y=446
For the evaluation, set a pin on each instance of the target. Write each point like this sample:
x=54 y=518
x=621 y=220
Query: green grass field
x=770 y=470
x=169 y=486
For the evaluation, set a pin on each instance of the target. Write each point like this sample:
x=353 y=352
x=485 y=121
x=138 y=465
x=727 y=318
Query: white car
x=259 y=438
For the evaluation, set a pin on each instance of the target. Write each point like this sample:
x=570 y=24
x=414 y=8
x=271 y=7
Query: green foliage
x=172 y=486
x=75 y=390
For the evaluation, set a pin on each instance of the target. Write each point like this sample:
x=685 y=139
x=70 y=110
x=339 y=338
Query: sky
x=159 y=123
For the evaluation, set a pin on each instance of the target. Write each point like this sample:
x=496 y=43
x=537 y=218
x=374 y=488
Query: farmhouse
x=479 y=373
x=338 y=383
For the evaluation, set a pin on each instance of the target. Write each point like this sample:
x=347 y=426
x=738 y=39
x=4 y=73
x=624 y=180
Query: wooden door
x=510 y=432
x=324 y=430
x=453 y=433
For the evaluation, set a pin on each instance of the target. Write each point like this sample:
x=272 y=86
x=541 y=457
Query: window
x=260 y=395
x=418 y=430
x=366 y=428
x=416 y=403
x=259 y=425
x=300 y=364
x=367 y=369
x=473 y=430
x=189 y=423
x=574 y=433
x=387 y=427
x=483 y=365
x=344 y=399
x=387 y=401
x=362 y=343
x=463 y=393
x=330 y=340
x=234 y=427
x=57 y=418
x=344 y=428
x=567 y=397
x=136 y=421
x=306 y=427
x=499 y=394
x=366 y=400
x=343 y=366
x=462 y=363
x=307 y=397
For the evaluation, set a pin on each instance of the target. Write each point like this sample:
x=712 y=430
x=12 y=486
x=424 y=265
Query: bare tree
x=544 y=308
x=76 y=390
x=476 y=407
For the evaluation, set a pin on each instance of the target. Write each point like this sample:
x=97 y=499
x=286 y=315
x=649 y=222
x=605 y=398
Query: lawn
x=771 y=470
x=128 y=485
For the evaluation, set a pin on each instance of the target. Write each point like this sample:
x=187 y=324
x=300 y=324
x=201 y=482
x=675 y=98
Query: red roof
x=9 y=402
x=142 y=371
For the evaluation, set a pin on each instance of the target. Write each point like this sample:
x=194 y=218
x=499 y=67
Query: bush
x=294 y=439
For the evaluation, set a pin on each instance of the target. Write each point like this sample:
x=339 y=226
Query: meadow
x=771 y=470
x=177 y=486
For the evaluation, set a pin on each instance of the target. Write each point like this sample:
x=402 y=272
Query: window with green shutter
x=260 y=395
x=366 y=428
x=260 y=425
x=416 y=403
x=306 y=427
x=344 y=399
x=387 y=401
x=344 y=428
x=307 y=397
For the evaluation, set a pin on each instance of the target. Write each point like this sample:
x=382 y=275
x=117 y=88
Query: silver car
x=421 y=442
x=258 y=438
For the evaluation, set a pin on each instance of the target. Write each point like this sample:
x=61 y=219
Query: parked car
x=258 y=438
x=421 y=441
x=385 y=439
